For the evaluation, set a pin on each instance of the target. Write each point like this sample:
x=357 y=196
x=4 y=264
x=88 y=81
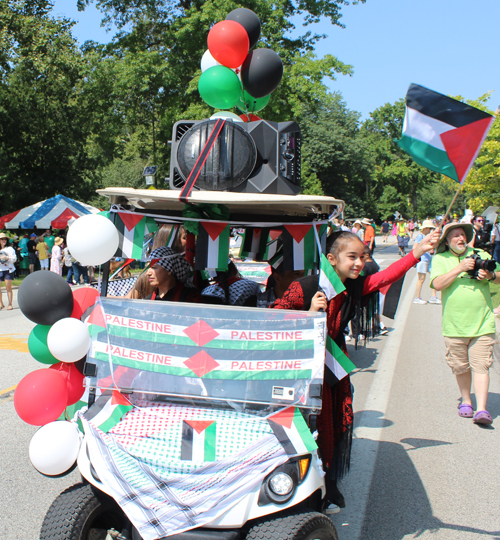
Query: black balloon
x=45 y=298
x=249 y=21
x=261 y=72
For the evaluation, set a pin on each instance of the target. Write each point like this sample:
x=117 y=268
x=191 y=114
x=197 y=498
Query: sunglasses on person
x=480 y=220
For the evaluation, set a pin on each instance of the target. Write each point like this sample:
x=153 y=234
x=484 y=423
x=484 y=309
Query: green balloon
x=219 y=87
x=251 y=104
x=37 y=345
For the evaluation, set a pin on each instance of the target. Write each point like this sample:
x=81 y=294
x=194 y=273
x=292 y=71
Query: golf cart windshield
x=248 y=356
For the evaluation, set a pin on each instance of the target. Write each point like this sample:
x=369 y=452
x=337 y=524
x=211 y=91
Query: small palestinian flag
x=212 y=246
x=441 y=133
x=389 y=298
x=299 y=246
x=132 y=229
x=254 y=243
x=198 y=440
x=109 y=408
x=337 y=363
x=322 y=231
x=329 y=281
x=292 y=431
x=272 y=245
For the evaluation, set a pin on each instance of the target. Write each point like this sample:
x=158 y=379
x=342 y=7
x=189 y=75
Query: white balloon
x=92 y=240
x=208 y=61
x=227 y=115
x=54 y=448
x=68 y=340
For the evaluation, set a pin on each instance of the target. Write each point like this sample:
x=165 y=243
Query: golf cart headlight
x=281 y=484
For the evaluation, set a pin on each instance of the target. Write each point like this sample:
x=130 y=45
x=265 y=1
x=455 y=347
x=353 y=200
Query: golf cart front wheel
x=299 y=526
x=82 y=512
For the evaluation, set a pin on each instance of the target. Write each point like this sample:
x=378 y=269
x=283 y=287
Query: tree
x=146 y=79
x=335 y=153
x=43 y=132
x=482 y=186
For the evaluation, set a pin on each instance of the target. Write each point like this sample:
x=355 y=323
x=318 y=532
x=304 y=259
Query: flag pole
x=451 y=205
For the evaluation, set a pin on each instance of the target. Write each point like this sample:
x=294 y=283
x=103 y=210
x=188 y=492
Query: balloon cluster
x=232 y=74
x=61 y=341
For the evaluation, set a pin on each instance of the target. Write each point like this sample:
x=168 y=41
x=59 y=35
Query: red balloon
x=251 y=118
x=41 y=397
x=83 y=299
x=228 y=43
x=74 y=380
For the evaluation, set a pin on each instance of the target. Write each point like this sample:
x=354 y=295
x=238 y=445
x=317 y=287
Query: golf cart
x=220 y=401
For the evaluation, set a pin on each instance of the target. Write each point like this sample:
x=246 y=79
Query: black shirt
x=31 y=245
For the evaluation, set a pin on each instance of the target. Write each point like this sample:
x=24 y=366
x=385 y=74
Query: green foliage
x=482 y=186
x=43 y=129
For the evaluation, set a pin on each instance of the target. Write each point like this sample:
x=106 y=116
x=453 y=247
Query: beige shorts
x=466 y=354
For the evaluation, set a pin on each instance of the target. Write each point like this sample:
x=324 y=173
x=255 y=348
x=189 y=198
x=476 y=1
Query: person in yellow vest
x=403 y=236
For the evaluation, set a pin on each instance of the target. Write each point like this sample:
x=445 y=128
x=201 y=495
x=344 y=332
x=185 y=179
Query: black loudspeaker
x=250 y=157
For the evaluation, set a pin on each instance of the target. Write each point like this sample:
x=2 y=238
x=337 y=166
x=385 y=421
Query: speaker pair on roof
x=250 y=157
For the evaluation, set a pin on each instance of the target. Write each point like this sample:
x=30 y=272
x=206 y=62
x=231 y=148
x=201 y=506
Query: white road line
x=358 y=483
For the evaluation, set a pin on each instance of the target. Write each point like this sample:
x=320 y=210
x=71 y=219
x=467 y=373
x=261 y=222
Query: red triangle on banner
x=130 y=220
x=213 y=229
x=298 y=231
x=284 y=418
x=461 y=144
x=274 y=233
x=199 y=425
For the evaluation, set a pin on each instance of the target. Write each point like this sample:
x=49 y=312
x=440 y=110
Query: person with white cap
x=7 y=269
x=468 y=323
x=424 y=265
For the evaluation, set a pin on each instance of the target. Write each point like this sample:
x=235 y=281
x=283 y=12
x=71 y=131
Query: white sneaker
x=348 y=338
x=419 y=301
x=361 y=337
x=332 y=509
x=434 y=300
x=383 y=331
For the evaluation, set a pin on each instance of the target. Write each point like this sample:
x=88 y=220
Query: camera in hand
x=480 y=264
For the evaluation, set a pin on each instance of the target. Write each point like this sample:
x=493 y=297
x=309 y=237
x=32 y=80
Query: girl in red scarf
x=345 y=252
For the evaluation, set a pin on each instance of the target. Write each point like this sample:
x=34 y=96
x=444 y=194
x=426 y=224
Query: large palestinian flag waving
x=441 y=133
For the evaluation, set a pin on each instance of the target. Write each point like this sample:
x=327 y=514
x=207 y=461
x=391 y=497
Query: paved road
x=418 y=469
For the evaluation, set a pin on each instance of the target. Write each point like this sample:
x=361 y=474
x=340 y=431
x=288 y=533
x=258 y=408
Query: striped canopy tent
x=57 y=212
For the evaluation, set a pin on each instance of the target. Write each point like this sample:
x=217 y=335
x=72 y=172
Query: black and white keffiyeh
x=239 y=291
x=172 y=262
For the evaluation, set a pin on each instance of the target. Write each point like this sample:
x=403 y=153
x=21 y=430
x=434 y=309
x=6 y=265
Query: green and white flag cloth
x=132 y=229
x=292 y=431
x=329 y=281
x=337 y=363
x=109 y=408
x=441 y=133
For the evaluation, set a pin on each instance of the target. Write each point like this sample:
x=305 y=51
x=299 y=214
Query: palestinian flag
x=198 y=440
x=212 y=246
x=132 y=229
x=390 y=295
x=291 y=430
x=329 y=281
x=299 y=246
x=441 y=133
x=254 y=243
x=322 y=231
x=272 y=244
x=109 y=408
x=337 y=363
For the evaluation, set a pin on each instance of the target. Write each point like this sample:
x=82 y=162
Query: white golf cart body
x=249 y=209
